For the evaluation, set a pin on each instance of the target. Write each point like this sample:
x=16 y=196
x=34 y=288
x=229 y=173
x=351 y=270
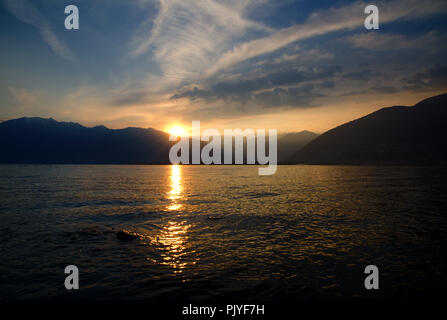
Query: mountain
x=37 y=140
x=289 y=143
x=396 y=135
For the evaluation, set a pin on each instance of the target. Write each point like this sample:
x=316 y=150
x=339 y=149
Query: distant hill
x=395 y=135
x=289 y=143
x=37 y=140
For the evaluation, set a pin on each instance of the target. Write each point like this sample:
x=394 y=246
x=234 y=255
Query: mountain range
x=396 y=135
x=37 y=140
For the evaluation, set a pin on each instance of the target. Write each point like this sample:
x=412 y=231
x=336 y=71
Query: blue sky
x=291 y=65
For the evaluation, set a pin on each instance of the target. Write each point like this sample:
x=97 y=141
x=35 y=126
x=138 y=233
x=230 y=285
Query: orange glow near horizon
x=177 y=130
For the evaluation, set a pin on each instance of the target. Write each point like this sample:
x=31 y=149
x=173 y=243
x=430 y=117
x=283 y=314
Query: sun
x=177 y=130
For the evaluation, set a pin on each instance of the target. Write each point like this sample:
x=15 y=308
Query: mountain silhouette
x=395 y=135
x=37 y=140
x=289 y=143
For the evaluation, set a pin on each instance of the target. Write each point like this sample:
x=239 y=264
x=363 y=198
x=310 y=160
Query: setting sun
x=177 y=131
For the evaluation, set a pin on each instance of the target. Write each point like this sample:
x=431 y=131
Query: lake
x=307 y=232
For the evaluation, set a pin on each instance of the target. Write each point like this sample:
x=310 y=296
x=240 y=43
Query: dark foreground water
x=306 y=232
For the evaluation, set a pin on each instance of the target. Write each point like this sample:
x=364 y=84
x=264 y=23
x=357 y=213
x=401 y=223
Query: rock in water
x=126 y=235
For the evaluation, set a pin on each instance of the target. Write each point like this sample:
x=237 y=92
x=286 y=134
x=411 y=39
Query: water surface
x=306 y=232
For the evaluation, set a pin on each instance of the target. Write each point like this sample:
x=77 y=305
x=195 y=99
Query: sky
x=286 y=65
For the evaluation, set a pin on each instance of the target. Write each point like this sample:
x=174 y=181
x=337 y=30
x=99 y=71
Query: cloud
x=261 y=103
x=26 y=12
x=245 y=90
x=305 y=56
x=362 y=75
x=430 y=78
x=192 y=42
x=296 y=97
x=380 y=88
x=22 y=96
x=324 y=22
x=210 y=60
x=377 y=41
x=187 y=36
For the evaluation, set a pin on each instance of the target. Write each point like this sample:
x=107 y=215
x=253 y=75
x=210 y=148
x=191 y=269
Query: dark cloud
x=327 y=84
x=353 y=93
x=248 y=90
x=380 y=88
x=362 y=75
x=430 y=78
x=264 y=102
x=194 y=94
x=297 y=96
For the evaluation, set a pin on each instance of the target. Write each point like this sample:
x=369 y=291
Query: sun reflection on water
x=173 y=237
x=175 y=193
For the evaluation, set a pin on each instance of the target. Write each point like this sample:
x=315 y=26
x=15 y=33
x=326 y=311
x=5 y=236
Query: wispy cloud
x=328 y=21
x=202 y=48
x=305 y=56
x=384 y=42
x=26 y=12
x=223 y=61
x=188 y=36
x=22 y=96
x=192 y=41
x=428 y=79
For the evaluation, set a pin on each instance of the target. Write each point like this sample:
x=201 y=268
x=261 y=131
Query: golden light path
x=175 y=193
x=174 y=234
x=174 y=237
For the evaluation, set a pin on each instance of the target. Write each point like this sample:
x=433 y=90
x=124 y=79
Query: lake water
x=306 y=232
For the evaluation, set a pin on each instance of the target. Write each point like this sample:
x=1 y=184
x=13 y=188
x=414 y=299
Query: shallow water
x=306 y=232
